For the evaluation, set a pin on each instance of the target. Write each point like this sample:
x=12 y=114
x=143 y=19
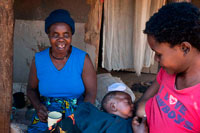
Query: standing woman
x=63 y=74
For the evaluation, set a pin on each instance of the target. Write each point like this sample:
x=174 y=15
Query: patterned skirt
x=63 y=105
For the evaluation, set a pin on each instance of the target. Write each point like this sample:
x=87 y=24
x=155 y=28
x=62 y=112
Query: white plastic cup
x=53 y=118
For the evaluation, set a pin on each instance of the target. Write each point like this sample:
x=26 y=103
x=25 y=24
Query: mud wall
x=29 y=35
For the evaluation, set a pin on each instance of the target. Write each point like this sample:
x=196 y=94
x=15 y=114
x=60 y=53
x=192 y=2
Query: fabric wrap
x=91 y=120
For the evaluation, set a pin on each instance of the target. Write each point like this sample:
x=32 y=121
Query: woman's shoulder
x=42 y=52
x=42 y=55
x=163 y=75
x=78 y=50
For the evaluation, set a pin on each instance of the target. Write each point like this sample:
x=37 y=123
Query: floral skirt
x=63 y=105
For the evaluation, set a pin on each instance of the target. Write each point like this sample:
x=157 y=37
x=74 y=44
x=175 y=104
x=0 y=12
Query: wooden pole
x=6 y=63
x=93 y=26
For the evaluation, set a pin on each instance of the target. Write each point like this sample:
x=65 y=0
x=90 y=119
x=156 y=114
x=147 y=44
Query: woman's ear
x=185 y=47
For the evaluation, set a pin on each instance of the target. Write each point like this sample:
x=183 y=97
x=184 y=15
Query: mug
x=53 y=118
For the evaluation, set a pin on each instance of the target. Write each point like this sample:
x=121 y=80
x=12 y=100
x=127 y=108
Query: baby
x=118 y=103
x=116 y=116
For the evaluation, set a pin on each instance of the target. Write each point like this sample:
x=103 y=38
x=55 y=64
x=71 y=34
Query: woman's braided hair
x=175 y=23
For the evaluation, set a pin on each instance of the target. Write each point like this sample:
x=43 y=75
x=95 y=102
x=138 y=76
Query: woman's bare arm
x=151 y=91
x=89 y=80
x=33 y=94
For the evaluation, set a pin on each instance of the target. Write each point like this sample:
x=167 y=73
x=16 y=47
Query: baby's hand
x=139 y=126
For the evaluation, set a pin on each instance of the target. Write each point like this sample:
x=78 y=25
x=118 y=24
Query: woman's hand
x=34 y=96
x=139 y=127
x=42 y=113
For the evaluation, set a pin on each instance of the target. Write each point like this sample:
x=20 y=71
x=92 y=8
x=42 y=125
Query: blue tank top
x=66 y=82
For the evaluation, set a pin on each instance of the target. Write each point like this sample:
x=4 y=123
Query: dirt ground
x=131 y=79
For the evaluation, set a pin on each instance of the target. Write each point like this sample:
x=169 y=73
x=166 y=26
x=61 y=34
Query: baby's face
x=124 y=106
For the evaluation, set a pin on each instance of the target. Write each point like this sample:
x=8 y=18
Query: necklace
x=59 y=58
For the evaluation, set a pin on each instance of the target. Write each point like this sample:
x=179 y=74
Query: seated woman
x=63 y=74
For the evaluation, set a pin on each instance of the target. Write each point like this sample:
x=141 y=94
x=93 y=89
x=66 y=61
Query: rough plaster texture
x=29 y=37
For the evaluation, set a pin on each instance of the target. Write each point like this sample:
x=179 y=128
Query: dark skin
x=183 y=61
x=60 y=37
x=139 y=127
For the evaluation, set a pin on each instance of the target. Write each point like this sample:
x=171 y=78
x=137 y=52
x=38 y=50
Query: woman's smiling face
x=170 y=58
x=60 y=37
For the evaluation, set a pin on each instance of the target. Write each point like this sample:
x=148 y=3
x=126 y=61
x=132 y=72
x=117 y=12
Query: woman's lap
x=63 y=105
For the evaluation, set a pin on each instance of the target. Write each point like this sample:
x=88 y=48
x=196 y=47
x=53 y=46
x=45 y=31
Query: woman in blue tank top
x=63 y=74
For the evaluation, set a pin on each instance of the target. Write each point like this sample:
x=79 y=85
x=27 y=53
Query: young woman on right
x=172 y=103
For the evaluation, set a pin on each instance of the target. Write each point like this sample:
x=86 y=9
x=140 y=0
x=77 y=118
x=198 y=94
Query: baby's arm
x=151 y=91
